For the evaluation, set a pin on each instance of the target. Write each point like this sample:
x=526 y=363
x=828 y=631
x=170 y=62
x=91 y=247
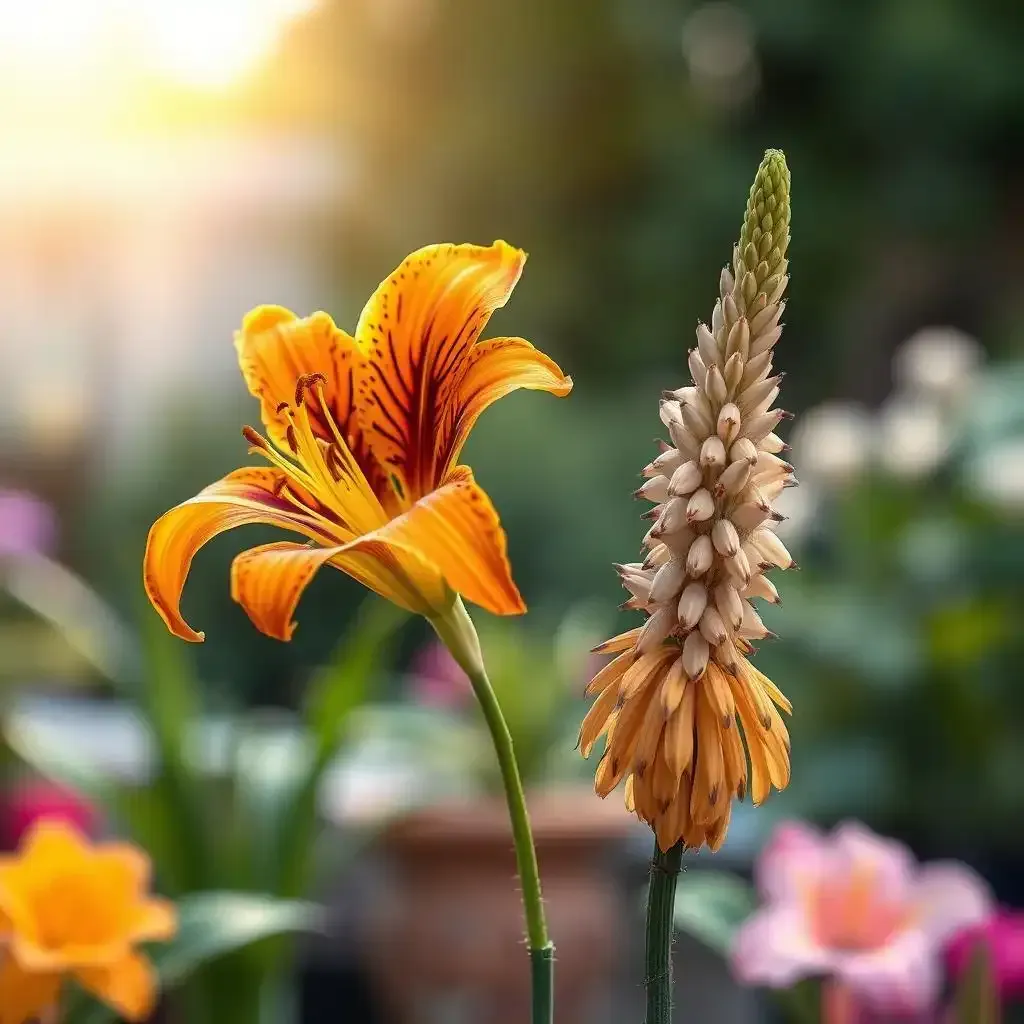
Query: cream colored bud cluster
x=713 y=540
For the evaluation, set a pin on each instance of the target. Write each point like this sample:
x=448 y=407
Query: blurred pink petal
x=950 y=897
x=436 y=679
x=890 y=864
x=1003 y=933
x=775 y=949
x=794 y=855
x=854 y=907
x=30 y=802
x=902 y=977
x=28 y=526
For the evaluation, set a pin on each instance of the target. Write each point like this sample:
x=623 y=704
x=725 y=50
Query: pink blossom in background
x=1003 y=933
x=856 y=908
x=436 y=679
x=28 y=802
x=28 y=526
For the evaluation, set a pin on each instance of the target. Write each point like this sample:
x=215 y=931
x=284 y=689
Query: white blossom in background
x=997 y=475
x=834 y=442
x=802 y=508
x=718 y=46
x=913 y=436
x=938 y=362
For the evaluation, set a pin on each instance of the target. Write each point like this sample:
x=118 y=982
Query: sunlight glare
x=204 y=44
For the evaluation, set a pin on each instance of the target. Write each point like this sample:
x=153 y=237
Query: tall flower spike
x=681 y=688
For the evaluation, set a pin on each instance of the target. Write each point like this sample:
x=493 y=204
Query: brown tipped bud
x=712 y=627
x=668 y=581
x=712 y=453
x=700 y=507
x=729 y=604
x=725 y=538
x=707 y=346
x=729 y=421
x=698 y=369
x=695 y=655
x=738 y=342
x=692 y=603
x=733 y=479
x=685 y=480
x=655 y=489
x=744 y=450
x=700 y=556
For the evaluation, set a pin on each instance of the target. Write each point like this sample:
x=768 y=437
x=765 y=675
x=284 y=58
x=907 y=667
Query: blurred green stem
x=661 y=901
x=457 y=632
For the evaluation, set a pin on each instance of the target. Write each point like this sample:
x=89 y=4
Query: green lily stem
x=661 y=901
x=457 y=632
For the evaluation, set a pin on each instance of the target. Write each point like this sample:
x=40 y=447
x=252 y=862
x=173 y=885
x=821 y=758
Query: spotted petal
x=497 y=368
x=417 y=332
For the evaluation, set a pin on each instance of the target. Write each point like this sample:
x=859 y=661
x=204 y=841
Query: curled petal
x=242 y=497
x=497 y=368
x=267 y=581
x=417 y=332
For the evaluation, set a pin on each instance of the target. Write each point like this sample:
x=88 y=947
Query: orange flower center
x=74 y=910
x=852 y=912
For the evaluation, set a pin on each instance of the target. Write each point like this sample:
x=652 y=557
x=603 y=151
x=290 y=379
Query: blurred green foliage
x=236 y=842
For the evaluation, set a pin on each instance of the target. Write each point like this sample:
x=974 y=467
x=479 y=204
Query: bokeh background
x=165 y=166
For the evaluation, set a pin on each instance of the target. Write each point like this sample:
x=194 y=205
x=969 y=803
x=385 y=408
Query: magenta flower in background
x=436 y=679
x=856 y=908
x=26 y=803
x=28 y=526
x=1003 y=934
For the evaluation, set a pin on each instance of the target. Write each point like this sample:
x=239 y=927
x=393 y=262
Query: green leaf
x=711 y=906
x=278 y=785
x=169 y=698
x=210 y=926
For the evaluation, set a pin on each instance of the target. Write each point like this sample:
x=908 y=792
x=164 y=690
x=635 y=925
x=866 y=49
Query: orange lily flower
x=363 y=440
x=69 y=908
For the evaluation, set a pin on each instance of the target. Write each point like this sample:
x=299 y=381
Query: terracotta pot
x=447 y=941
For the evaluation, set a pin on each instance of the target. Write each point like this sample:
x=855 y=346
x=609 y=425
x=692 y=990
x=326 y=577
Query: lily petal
x=417 y=332
x=269 y=580
x=129 y=985
x=25 y=995
x=497 y=368
x=242 y=497
x=457 y=529
x=276 y=348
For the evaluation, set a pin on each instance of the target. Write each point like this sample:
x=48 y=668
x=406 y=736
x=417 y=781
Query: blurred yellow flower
x=363 y=439
x=68 y=908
